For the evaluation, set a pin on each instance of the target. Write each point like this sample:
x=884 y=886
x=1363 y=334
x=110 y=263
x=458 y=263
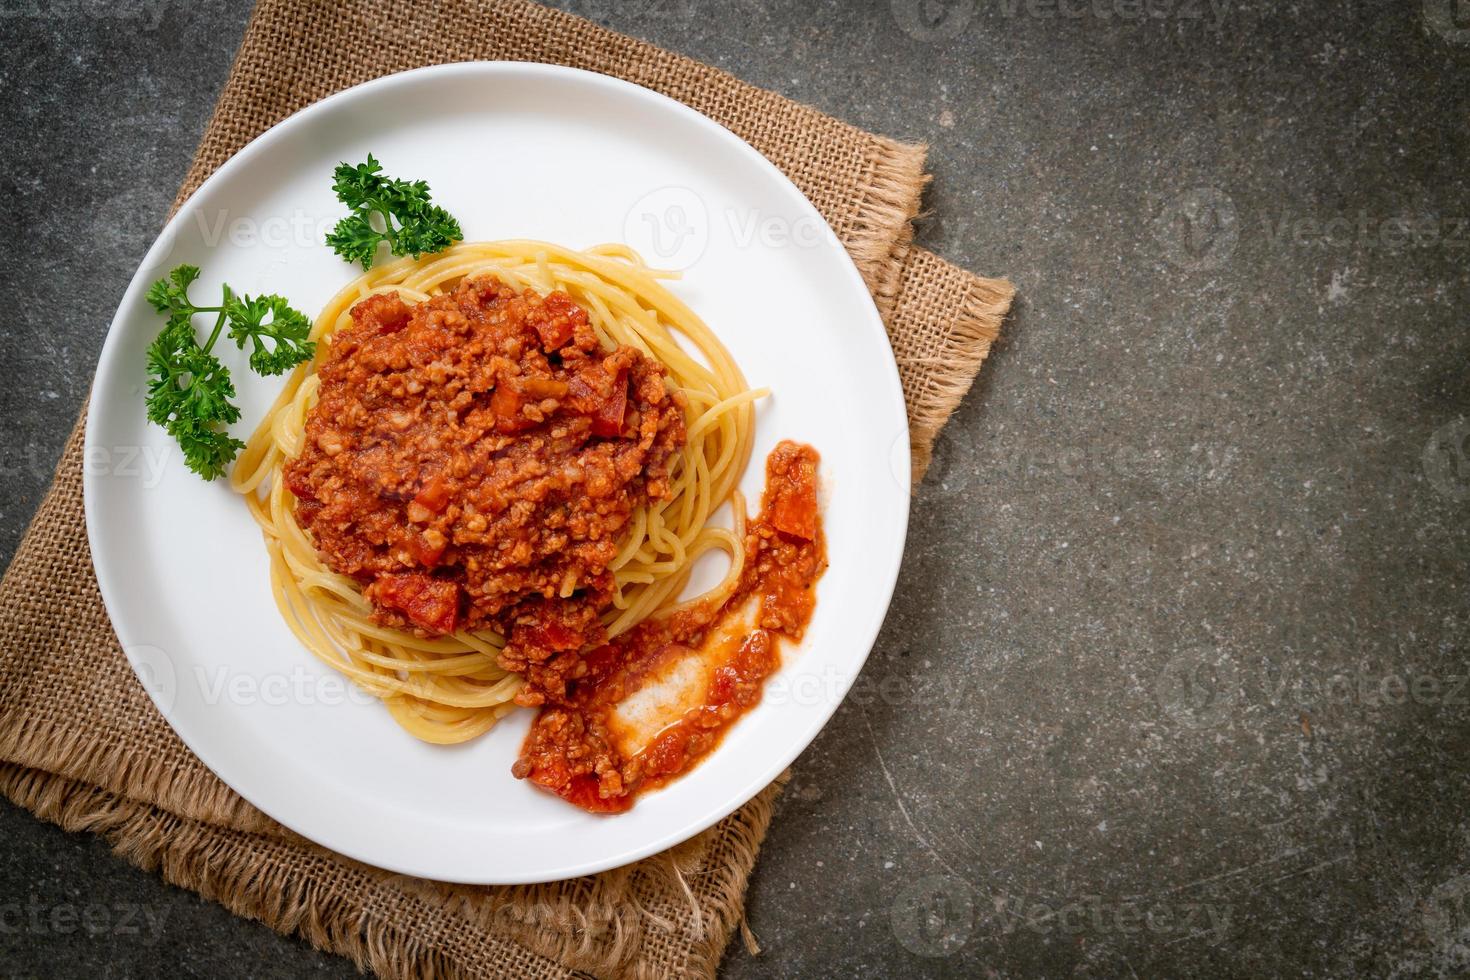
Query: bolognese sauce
x=472 y=460
x=575 y=748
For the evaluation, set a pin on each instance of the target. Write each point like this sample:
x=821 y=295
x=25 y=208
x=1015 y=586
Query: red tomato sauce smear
x=572 y=748
x=473 y=458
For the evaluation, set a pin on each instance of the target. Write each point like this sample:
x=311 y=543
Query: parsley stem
x=219 y=322
x=387 y=225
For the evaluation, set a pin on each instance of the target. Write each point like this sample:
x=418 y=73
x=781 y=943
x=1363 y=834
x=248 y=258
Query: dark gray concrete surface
x=1174 y=680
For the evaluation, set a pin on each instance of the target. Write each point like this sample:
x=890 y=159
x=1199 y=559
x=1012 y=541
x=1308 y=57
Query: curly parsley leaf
x=189 y=389
x=287 y=330
x=208 y=451
x=171 y=294
x=187 y=384
x=410 y=223
x=355 y=239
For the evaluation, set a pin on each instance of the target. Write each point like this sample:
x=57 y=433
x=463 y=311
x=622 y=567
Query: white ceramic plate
x=513 y=151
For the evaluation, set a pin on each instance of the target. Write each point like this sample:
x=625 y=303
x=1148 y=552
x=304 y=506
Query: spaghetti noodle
x=452 y=688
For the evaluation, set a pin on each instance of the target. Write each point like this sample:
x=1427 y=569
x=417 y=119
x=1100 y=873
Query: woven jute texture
x=81 y=744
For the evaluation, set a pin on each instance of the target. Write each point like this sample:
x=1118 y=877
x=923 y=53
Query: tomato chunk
x=424 y=552
x=563 y=316
x=608 y=419
x=791 y=490
x=554 y=333
x=669 y=754
x=430 y=603
x=506 y=404
x=722 y=685
x=585 y=792
x=382 y=312
x=550 y=635
x=434 y=495
x=298 y=481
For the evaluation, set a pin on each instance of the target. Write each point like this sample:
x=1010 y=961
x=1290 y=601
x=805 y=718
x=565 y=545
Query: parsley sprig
x=189 y=389
x=411 y=225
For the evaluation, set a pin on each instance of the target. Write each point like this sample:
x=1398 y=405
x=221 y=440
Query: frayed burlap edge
x=118 y=769
x=976 y=328
x=248 y=874
x=925 y=290
x=884 y=218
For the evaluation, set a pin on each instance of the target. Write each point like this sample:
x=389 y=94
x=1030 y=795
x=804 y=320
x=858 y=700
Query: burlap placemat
x=80 y=743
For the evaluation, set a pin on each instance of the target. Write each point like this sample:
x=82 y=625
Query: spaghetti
x=452 y=688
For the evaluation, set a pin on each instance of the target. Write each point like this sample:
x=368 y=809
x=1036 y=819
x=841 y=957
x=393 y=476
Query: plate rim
x=866 y=636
